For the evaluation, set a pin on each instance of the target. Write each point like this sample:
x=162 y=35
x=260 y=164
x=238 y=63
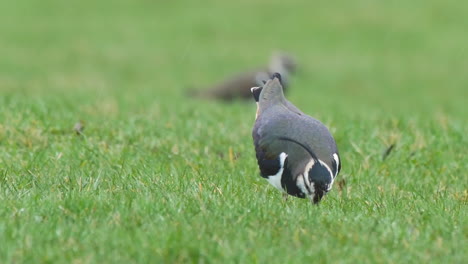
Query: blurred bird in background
x=238 y=86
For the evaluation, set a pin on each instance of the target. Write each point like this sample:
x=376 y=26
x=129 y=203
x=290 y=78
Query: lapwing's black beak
x=319 y=193
x=318 y=196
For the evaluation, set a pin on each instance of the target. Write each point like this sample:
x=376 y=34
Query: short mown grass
x=157 y=177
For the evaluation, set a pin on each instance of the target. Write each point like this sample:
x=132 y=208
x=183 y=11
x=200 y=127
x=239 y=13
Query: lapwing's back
x=281 y=122
x=295 y=152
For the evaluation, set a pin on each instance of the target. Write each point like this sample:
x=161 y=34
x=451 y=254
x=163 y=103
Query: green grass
x=162 y=178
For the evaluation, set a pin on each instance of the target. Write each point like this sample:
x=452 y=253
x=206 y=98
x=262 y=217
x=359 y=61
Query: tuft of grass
x=156 y=176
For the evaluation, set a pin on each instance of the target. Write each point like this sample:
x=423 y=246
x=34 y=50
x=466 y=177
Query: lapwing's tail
x=278 y=76
x=257 y=90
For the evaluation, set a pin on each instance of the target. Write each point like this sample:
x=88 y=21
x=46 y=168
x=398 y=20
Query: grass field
x=161 y=178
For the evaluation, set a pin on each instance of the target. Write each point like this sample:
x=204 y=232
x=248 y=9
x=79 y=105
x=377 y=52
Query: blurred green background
x=160 y=177
x=379 y=54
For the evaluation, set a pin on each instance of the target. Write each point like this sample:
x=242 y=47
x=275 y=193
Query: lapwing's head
x=320 y=178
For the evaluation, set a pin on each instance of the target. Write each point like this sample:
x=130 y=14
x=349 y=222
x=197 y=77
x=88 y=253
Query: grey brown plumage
x=295 y=152
x=238 y=86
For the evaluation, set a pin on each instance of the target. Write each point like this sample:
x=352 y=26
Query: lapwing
x=295 y=152
x=238 y=86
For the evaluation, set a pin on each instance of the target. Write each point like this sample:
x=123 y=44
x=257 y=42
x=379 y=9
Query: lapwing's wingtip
x=256 y=93
x=252 y=90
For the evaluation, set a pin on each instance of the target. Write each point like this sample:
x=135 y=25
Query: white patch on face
x=301 y=184
x=308 y=167
x=337 y=160
x=275 y=180
x=306 y=180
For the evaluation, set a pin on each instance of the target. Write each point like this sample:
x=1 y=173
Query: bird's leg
x=285 y=197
